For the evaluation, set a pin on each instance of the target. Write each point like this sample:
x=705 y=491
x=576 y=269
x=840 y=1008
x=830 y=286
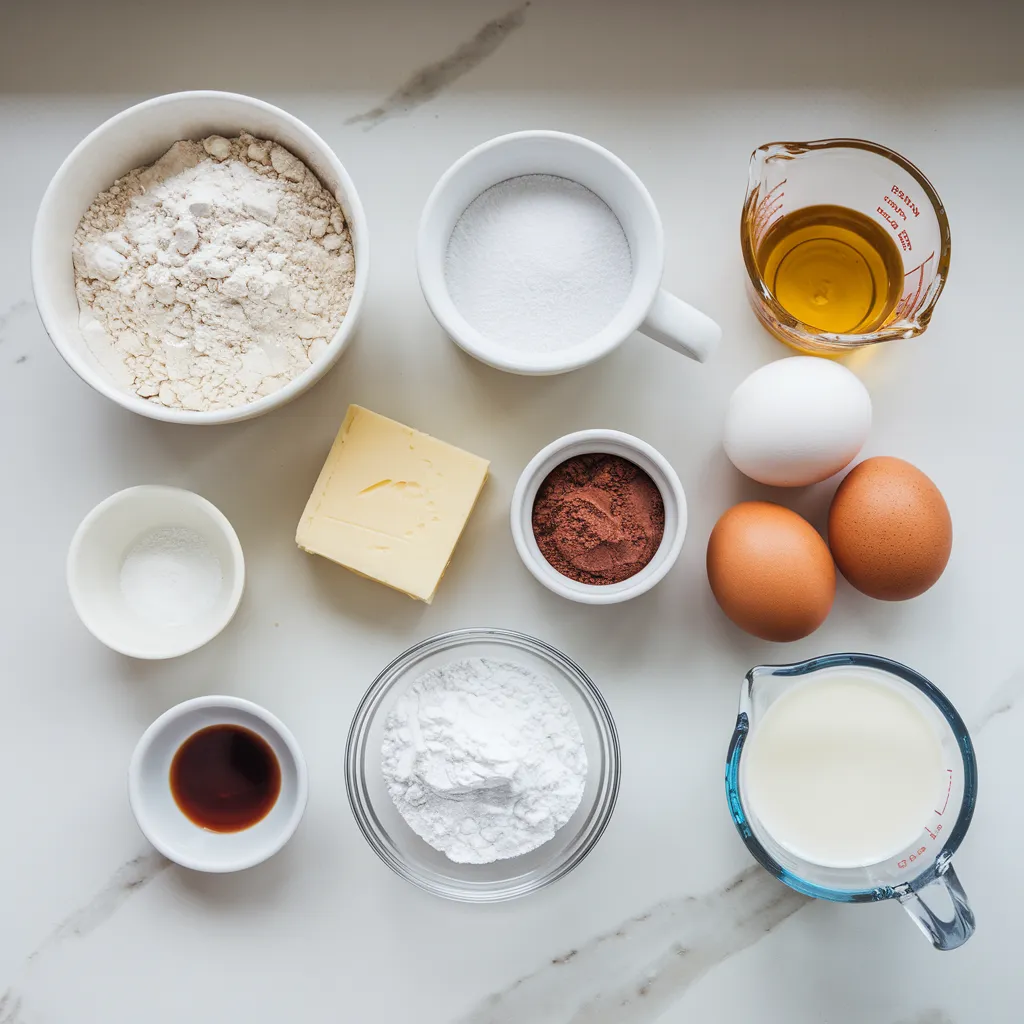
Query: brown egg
x=889 y=529
x=770 y=571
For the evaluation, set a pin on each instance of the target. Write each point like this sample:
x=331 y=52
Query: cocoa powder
x=598 y=518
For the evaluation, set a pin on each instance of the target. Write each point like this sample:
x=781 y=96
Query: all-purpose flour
x=484 y=759
x=214 y=276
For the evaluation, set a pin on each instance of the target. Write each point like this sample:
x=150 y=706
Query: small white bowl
x=136 y=137
x=605 y=442
x=97 y=553
x=165 y=825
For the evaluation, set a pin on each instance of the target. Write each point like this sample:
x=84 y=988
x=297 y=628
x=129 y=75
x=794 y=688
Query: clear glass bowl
x=396 y=843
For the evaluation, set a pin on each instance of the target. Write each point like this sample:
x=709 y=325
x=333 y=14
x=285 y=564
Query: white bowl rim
x=68 y=349
x=176 y=495
x=274 y=724
x=467 y=337
x=590 y=593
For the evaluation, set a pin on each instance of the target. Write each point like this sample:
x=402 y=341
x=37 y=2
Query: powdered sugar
x=214 y=276
x=484 y=759
x=538 y=263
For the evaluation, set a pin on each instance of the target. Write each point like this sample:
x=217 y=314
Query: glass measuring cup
x=872 y=181
x=921 y=876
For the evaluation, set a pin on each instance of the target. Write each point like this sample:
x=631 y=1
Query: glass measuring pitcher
x=889 y=197
x=920 y=876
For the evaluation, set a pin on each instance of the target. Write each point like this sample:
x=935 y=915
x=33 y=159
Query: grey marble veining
x=631 y=974
x=11 y=351
x=10 y=1007
x=131 y=878
x=1001 y=700
x=11 y=314
x=429 y=81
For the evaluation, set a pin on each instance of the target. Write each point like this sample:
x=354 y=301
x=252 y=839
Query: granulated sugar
x=538 y=263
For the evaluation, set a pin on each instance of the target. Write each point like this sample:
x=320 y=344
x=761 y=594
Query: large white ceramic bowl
x=136 y=137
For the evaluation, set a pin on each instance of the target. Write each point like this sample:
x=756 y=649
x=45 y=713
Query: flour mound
x=214 y=276
x=484 y=759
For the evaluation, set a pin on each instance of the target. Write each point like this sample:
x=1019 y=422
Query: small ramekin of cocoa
x=599 y=516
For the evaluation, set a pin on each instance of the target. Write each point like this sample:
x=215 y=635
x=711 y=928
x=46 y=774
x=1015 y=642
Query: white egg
x=797 y=421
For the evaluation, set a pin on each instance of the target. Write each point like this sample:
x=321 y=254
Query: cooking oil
x=832 y=268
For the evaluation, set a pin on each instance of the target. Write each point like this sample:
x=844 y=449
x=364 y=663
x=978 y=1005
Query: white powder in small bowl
x=538 y=263
x=170 y=577
x=484 y=759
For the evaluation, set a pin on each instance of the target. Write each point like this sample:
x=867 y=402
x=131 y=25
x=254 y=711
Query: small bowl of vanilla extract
x=218 y=784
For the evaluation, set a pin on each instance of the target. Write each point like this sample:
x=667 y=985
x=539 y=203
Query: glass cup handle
x=681 y=327
x=940 y=909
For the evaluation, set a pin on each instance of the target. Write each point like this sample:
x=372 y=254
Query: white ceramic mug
x=648 y=307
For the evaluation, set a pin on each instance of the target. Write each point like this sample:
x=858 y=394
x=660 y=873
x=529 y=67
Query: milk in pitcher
x=843 y=771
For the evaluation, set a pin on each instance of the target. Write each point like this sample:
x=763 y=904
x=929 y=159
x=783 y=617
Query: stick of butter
x=391 y=503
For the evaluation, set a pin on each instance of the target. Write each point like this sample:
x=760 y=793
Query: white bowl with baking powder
x=604 y=442
x=137 y=137
x=155 y=572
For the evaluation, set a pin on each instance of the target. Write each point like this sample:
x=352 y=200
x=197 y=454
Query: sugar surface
x=538 y=263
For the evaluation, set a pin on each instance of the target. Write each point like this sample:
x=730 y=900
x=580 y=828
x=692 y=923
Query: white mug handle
x=681 y=327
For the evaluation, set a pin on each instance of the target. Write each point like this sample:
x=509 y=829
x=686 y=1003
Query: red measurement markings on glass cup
x=900 y=212
x=915 y=294
x=891 y=220
x=767 y=212
x=904 y=198
x=949 y=789
x=933 y=833
x=896 y=211
x=901 y=864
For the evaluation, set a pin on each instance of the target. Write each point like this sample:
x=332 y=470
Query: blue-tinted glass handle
x=940 y=909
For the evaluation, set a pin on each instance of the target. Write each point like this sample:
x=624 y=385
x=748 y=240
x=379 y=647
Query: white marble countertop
x=97 y=929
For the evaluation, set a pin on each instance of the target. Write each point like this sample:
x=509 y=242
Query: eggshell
x=797 y=421
x=770 y=571
x=889 y=529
